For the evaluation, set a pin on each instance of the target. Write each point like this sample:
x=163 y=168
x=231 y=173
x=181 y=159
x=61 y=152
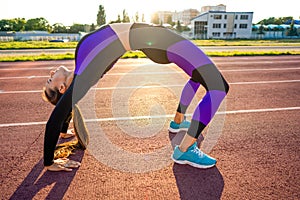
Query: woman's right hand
x=63 y=164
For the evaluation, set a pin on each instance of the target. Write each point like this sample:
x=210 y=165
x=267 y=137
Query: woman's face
x=57 y=78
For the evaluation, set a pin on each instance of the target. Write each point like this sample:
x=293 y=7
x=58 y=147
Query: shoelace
x=198 y=152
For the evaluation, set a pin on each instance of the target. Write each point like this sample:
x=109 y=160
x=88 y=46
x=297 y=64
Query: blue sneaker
x=194 y=157
x=183 y=126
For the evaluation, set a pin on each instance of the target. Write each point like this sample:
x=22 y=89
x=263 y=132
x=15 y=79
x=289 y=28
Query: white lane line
x=54 y=67
x=22 y=77
x=264 y=69
x=27 y=69
x=158 y=73
x=264 y=82
x=22 y=124
x=156 y=116
x=20 y=91
x=152 y=86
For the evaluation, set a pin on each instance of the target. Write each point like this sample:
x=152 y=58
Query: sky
x=69 y=12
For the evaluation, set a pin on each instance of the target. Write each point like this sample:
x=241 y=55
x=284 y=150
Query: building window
x=217 y=16
x=228 y=35
x=224 y=25
x=245 y=17
x=225 y=16
x=236 y=17
x=234 y=25
x=200 y=27
x=216 y=25
x=216 y=34
x=243 y=26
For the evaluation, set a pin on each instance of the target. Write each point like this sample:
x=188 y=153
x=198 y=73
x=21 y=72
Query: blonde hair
x=64 y=150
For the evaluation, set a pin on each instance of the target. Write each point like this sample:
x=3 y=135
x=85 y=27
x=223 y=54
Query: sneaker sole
x=177 y=130
x=186 y=162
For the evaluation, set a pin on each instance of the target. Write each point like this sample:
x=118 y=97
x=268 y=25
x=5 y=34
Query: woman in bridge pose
x=97 y=53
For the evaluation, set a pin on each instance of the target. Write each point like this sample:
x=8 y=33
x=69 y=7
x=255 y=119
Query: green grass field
x=66 y=45
x=138 y=54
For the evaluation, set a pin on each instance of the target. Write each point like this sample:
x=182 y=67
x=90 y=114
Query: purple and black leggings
x=98 y=51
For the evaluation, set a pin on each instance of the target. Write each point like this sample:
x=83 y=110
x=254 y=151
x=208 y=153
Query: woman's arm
x=55 y=123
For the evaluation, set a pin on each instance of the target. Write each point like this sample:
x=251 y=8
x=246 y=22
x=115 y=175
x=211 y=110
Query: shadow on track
x=194 y=183
x=36 y=181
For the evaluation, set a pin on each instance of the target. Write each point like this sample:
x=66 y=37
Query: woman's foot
x=183 y=126
x=194 y=157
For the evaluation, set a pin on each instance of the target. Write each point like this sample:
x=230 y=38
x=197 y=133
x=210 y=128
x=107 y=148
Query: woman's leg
x=203 y=114
x=187 y=95
x=216 y=89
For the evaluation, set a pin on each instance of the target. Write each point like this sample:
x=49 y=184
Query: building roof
x=296 y=21
x=275 y=26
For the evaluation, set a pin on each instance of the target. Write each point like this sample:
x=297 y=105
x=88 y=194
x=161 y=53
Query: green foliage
x=155 y=18
x=117 y=21
x=170 y=21
x=125 y=17
x=59 y=28
x=37 y=45
x=37 y=24
x=292 y=31
x=178 y=26
x=41 y=24
x=66 y=45
x=136 y=17
x=6 y=25
x=281 y=42
x=139 y=54
x=143 y=17
x=101 y=16
x=134 y=54
x=261 y=29
x=252 y=53
x=93 y=27
x=273 y=20
x=66 y=56
x=76 y=28
x=16 y=24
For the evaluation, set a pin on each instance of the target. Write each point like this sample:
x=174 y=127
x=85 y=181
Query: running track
x=257 y=144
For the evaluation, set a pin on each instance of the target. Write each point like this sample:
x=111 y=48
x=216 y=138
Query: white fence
x=38 y=36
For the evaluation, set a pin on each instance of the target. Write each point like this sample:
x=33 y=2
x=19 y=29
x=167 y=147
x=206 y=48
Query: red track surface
x=257 y=151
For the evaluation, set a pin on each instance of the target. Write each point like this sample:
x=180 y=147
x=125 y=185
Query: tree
x=125 y=17
x=101 y=16
x=261 y=29
x=273 y=20
x=292 y=31
x=136 y=17
x=6 y=25
x=117 y=21
x=76 y=28
x=18 y=24
x=38 y=24
x=143 y=17
x=170 y=21
x=93 y=27
x=155 y=18
x=58 y=28
x=179 y=27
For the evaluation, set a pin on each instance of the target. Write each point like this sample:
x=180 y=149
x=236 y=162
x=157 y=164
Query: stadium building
x=222 y=25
